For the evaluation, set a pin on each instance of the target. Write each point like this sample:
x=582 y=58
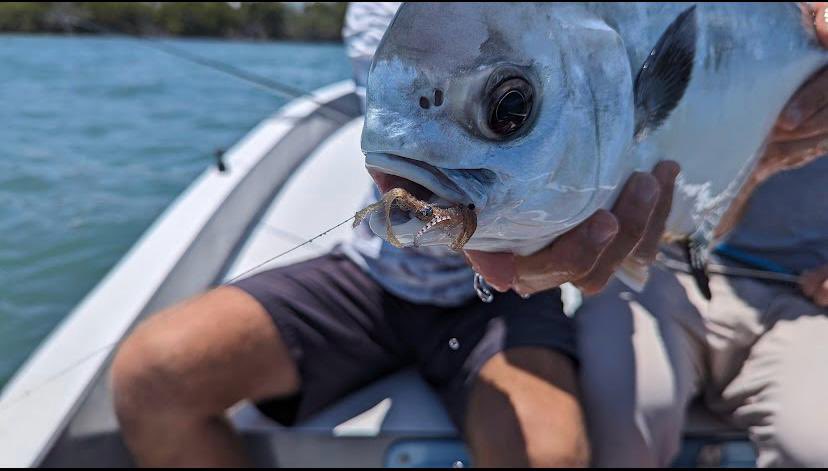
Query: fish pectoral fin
x=664 y=76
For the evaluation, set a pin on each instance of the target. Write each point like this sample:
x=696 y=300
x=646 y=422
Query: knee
x=797 y=442
x=143 y=376
x=811 y=454
x=635 y=432
x=571 y=452
x=505 y=448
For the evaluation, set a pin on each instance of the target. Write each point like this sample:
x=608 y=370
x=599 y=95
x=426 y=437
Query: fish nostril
x=438 y=97
x=424 y=104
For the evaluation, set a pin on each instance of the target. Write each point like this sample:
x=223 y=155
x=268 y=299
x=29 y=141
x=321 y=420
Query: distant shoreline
x=313 y=22
x=309 y=42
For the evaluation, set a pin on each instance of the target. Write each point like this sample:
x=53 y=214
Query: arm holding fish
x=588 y=255
x=616 y=236
x=627 y=236
x=803 y=127
x=800 y=135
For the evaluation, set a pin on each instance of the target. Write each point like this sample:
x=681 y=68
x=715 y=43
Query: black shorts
x=345 y=331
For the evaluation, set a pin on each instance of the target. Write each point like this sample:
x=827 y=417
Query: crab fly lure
x=459 y=220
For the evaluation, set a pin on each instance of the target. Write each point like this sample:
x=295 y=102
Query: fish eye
x=510 y=105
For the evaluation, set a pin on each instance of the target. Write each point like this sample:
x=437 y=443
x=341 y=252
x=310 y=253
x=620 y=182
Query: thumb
x=498 y=268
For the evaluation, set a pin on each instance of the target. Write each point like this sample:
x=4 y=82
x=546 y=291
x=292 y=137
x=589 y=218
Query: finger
x=497 y=268
x=815 y=126
x=808 y=100
x=569 y=257
x=666 y=173
x=820 y=295
x=812 y=280
x=809 y=282
x=633 y=209
x=821 y=298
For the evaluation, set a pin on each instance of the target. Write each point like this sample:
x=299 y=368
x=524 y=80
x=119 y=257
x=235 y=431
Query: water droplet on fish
x=454 y=344
x=484 y=292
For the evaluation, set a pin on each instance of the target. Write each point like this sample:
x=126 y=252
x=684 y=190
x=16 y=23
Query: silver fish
x=536 y=114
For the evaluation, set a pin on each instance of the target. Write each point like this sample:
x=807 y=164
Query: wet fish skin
x=718 y=75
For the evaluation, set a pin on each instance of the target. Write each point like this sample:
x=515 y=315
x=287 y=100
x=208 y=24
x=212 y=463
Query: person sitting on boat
x=755 y=352
x=295 y=339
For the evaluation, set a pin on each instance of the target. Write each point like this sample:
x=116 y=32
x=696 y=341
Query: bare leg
x=524 y=411
x=178 y=372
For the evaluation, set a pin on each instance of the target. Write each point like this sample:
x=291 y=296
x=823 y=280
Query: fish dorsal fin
x=665 y=74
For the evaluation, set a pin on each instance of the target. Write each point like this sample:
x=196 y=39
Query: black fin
x=665 y=74
x=697 y=258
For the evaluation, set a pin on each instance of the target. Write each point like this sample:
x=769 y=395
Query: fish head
x=521 y=110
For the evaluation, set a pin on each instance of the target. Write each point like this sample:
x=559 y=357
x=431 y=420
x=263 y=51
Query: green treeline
x=321 y=21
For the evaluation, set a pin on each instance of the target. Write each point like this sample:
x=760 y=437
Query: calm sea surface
x=97 y=137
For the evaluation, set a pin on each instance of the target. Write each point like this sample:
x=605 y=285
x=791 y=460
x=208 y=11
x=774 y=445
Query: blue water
x=97 y=137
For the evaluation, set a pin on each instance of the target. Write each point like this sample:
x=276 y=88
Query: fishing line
x=285 y=252
x=278 y=88
x=5 y=404
x=249 y=77
x=266 y=83
x=282 y=233
x=9 y=402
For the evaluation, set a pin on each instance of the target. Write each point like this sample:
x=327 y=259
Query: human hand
x=589 y=254
x=814 y=284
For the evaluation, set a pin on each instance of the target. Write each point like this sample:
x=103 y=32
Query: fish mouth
x=422 y=181
x=420 y=174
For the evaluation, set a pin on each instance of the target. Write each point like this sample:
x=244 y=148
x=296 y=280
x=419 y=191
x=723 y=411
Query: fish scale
x=557 y=104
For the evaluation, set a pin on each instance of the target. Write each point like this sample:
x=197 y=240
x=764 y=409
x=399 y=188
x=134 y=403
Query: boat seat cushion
x=403 y=404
